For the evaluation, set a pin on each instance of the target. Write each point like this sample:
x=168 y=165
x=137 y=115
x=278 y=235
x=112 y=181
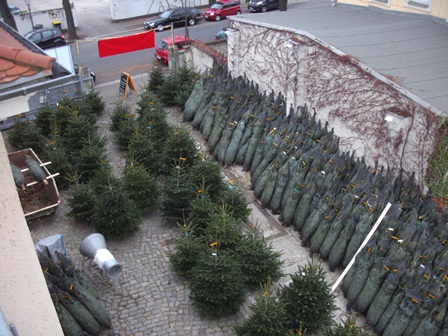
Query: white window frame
x=381 y=2
x=423 y=5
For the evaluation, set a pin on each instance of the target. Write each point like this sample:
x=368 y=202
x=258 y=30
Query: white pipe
x=364 y=243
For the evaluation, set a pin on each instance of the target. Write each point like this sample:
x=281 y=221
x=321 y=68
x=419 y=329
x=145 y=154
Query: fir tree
x=121 y=113
x=201 y=210
x=236 y=200
x=223 y=230
x=347 y=327
x=145 y=152
x=268 y=316
x=259 y=261
x=180 y=146
x=141 y=187
x=178 y=192
x=217 y=284
x=79 y=127
x=207 y=173
x=92 y=105
x=91 y=157
x=81 y=201
x=59 y=158
x=25 y=134
x=43 y=119
x=308 y=299
x=115 y=213
x=187 y=251
x=156 y=79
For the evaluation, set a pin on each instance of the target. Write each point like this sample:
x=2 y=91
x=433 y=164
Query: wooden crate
x=37 y=200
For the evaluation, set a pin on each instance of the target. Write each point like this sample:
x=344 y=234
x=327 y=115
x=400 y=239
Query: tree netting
x=333 y=199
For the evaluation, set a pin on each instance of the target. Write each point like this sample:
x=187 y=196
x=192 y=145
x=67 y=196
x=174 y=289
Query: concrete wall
x=24 y=297
x=120 y=9
x=45 y=18
x=436 y=8
x=372 y=115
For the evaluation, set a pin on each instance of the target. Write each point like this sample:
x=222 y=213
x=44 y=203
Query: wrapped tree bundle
x=361 y=231
x=319 y=236
x=271 y=184
x=371 y=287
x=255 y=139
x=269 y=174
x=69 y=325
x=382 y=299
x=234 y=144
x=264 y=154
x=221 y=147
x=219 y=124
x=388 y=313
x=210 y=100
x=360 y=277
x=281 y=184
x=194 y=100
x=399 y=320
x=315 y=220
x=303 y=208
x=339 y=247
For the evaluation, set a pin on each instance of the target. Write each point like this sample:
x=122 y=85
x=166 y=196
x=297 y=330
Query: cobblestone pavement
x=151 y=299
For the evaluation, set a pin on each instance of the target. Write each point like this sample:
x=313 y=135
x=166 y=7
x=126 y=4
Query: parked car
x=175 y=16
x=46 y=38
x=263 y=5
x=222 y=9
x=162 y=48
x=14 y=9
x=222 y=34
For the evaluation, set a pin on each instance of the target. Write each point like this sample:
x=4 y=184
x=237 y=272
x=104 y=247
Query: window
x=383 y=2
x=35 y=37
x=420 y=4
x=47 y=34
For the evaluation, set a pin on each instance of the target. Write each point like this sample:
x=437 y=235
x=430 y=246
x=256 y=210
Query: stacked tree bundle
x=79 y=311
x=333 y=200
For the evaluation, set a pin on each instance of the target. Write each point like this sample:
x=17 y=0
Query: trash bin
x=57 y=24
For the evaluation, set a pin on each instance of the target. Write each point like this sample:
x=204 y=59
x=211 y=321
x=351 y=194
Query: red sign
x=124 y=44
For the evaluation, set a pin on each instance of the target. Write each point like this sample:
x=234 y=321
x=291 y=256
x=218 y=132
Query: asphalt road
x=107 y=69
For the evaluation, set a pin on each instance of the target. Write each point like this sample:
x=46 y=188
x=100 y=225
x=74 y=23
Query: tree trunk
x=7 y=15
x=70 y=22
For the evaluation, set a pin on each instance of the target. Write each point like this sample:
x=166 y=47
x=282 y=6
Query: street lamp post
x=28 y=3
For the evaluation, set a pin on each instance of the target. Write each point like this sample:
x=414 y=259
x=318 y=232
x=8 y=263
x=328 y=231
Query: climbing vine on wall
x=343 y=92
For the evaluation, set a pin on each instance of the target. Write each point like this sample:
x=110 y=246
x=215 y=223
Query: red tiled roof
x=17 y=61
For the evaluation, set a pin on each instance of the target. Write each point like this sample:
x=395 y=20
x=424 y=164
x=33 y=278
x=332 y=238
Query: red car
x=162 y=47
x=222 y=9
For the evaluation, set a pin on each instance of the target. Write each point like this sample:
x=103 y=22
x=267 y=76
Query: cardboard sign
x=125 y=83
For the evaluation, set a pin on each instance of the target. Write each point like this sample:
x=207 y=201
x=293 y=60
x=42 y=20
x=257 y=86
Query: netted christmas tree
x=268 y=316
x=217 y=284
x=308 y=299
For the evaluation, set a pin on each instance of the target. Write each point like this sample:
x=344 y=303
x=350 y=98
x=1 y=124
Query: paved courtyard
x=151 y=299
